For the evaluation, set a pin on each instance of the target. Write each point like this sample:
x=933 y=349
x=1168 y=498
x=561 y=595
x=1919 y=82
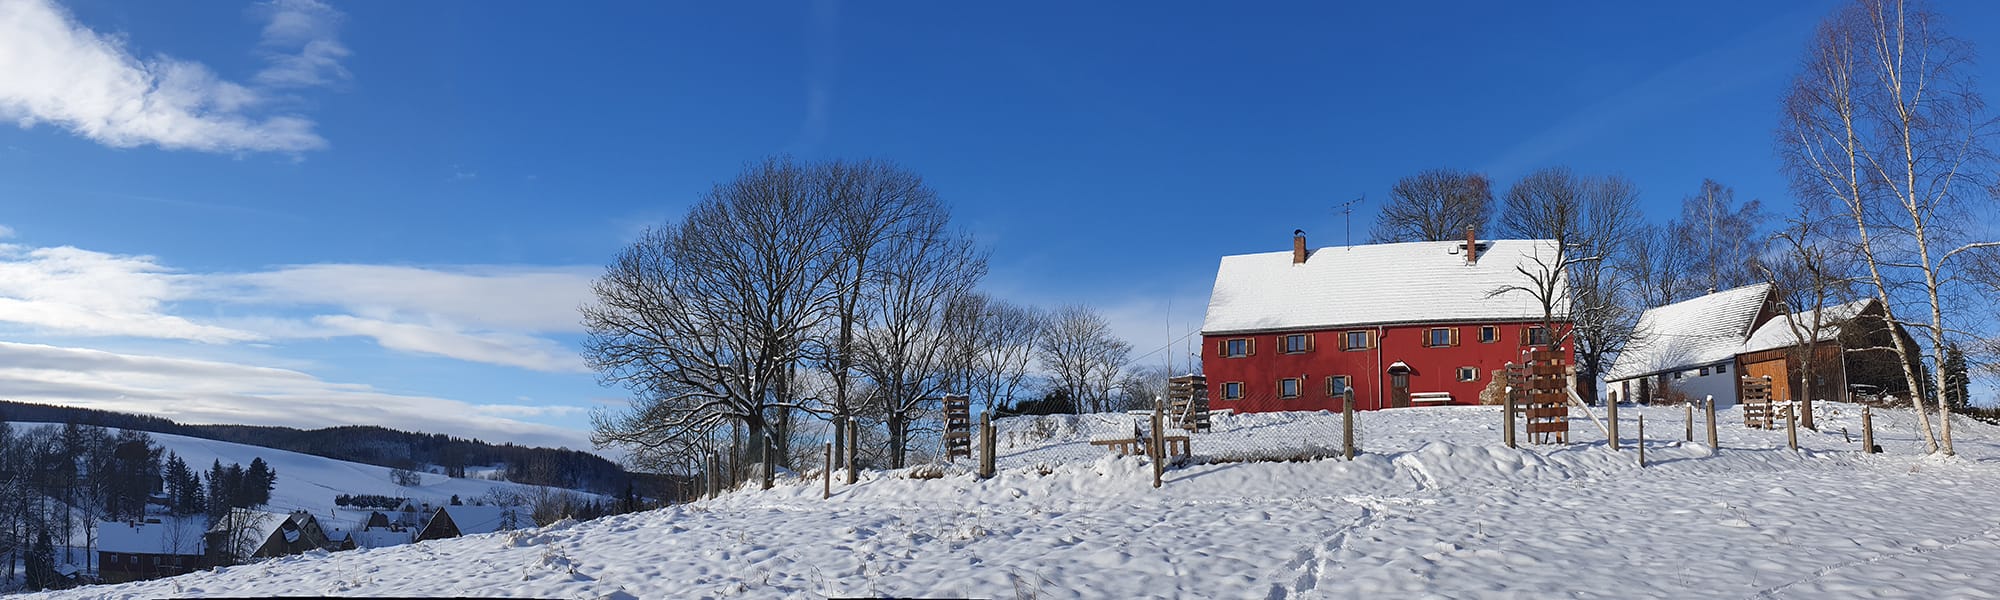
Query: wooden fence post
x=853 y=431
x=1690 y=421
x=827 y=492
x=1713 y=447
x=1792 y=426
x=986 y=449
x=1158 y=446
x=1867 y=432
x=1507 y=410
x=1611 y=424
x=1347 y=424
x=1642 y=440
x=770 y=460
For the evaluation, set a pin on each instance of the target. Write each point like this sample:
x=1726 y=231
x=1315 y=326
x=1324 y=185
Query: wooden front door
x=1399 y=389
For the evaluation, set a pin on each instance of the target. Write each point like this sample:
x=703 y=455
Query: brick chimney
x=1298 y=246
x=1471 y=246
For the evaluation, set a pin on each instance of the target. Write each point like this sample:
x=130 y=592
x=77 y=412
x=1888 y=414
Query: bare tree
x=997 y=342
x=1885 y=122
x=904 y=343
x=1082 y=356
x=1589 y=220
x=872 y=202
x=703 y=319
x=1720 y=237
x=1808 y=277
x=1434 y=206
x=1657 y=265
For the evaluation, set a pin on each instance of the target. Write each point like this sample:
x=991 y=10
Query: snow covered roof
x=478 y=519
x=1375 y=284
x=1776 y=333
x=256 y=524
x=1691 y=333
x=172 y=535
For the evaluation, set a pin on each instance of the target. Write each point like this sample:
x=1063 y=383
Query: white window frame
x=1468 y=374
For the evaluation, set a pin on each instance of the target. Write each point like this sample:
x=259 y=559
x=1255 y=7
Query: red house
x=1406 y=324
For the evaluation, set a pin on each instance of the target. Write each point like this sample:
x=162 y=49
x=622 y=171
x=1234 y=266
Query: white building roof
x=172 y=535
x=1691 y=333
x=1777 y=333
x=1412 y=282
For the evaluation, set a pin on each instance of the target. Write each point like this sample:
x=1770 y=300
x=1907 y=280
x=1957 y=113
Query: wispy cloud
x=55 y=70
x=301 y=43
x=6 y=232
x=203 y=391
x=80 y=292
x=445 y=311
x=506 y=349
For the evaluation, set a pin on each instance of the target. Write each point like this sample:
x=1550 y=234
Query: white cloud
x=513 y=350
x=536 y=299
x=79 y=292
x=6 y=232
x=55 y=70
x=491 y=315
x=202 y=391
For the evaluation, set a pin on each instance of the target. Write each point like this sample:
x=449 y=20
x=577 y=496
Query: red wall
x=1432 y=369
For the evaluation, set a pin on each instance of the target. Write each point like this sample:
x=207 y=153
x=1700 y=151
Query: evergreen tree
x=218 y=491
x=258 y=483
x=1957 y=379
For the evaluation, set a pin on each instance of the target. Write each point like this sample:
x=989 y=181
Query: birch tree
x=1885 y=122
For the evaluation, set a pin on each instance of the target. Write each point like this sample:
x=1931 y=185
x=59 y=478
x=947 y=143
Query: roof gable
x=1375 y=284
x=1777 y=333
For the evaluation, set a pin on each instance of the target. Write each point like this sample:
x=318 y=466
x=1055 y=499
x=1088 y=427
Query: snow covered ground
x=1437 y=507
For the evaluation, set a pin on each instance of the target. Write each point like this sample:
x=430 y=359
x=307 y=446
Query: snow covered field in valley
x=1435 y=507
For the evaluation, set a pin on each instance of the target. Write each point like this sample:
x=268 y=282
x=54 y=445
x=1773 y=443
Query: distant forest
x=379 y=446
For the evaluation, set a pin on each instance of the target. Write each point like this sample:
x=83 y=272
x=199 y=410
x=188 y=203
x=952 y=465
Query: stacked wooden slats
x=1188 y=399
x=1757 y=409
x=957 y=426
x=1545 y=402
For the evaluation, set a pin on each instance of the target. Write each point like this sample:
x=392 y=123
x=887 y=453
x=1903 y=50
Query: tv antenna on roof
x=1347 y=208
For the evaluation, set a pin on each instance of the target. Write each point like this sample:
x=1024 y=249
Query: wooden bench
x=1430 y=398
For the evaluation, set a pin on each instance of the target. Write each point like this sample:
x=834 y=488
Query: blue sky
x=388 y=212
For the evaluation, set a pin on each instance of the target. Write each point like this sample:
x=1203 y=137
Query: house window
x=1232 y=390
x=1677 y=374
x=1489 y=334
x=1288 y=387
x=1440 y=336
x=1357 y=340
x=1538 y=336
x=1236 y=348
x=1704 y=371
x=1468 y=373
x=1721 y=369
x=1296 y=343
x=1336 y=386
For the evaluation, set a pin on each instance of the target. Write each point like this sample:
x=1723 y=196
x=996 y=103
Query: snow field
x=1437 y=508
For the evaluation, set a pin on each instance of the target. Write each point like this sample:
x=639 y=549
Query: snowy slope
x=307 y=482
x=1438 y=507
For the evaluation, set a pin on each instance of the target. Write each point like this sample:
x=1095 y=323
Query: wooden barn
x=1704 y=347
x=1406 y=324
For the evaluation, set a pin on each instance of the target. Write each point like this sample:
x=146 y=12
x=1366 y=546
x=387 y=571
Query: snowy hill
x=1436 y=506
x=310 y=483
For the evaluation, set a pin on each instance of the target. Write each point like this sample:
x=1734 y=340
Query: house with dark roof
x=244 y=535
x=1405 y=324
